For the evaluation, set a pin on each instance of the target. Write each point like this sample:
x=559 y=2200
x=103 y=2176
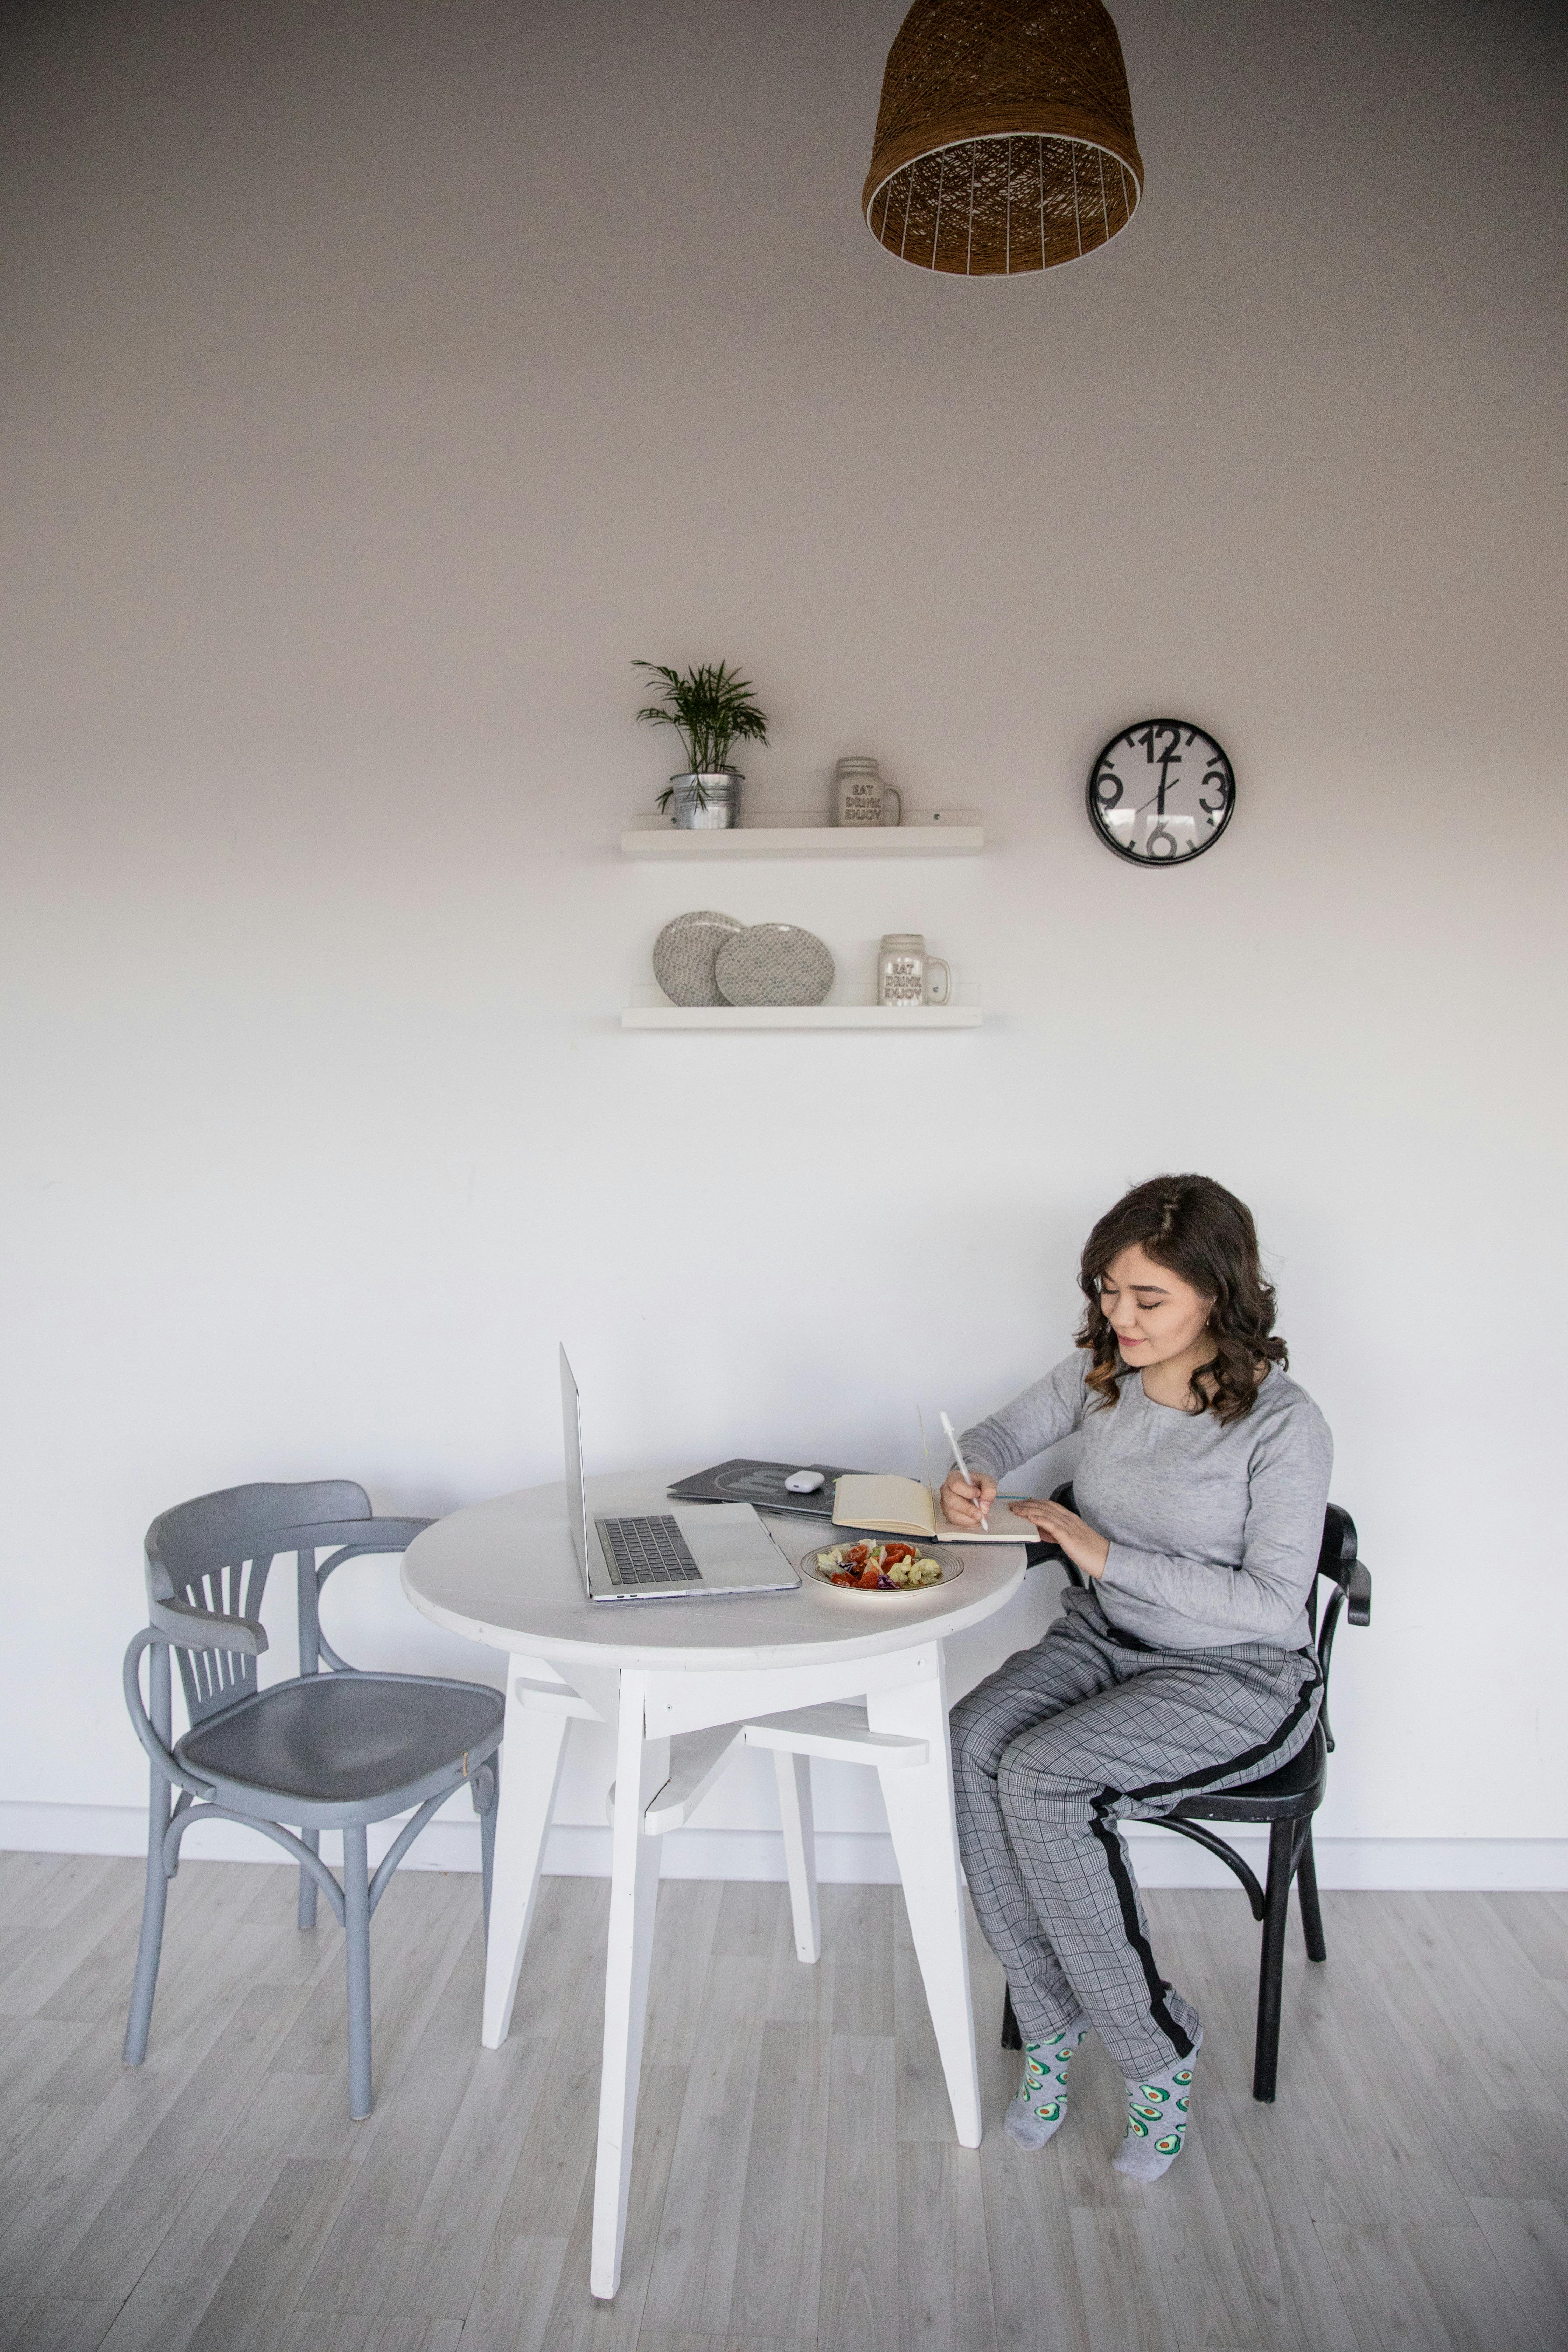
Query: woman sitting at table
x=1187 y=1665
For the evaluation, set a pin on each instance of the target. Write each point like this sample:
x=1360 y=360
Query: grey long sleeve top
x=1213 y=1531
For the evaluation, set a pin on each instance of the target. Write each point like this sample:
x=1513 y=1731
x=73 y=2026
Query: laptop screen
x=571 y=1437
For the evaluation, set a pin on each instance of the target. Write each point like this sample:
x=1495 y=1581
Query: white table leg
x=793 y=1775
x=925 y=1840
x=642 y=1768
x=533 y=1745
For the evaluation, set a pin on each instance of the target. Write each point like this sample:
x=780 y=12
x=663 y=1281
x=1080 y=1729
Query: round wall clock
x=1160 y=792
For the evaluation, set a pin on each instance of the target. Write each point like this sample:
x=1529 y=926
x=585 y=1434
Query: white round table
x=687 y=1683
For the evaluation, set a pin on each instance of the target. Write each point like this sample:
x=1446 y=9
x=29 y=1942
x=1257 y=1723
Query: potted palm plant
x=711 y=708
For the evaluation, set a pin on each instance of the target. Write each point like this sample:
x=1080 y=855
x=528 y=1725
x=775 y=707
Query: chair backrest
x=208 y=1560
x=1337 y=1561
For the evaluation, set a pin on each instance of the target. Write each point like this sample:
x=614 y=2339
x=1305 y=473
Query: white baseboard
x=843 y=1857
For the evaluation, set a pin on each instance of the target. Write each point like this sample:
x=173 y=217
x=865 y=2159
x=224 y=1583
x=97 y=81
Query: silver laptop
x=711 y=1548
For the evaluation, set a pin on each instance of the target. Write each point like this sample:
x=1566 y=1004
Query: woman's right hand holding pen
x=966 y=1501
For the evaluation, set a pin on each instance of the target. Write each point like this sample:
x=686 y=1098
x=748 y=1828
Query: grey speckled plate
x=773 y=963
x=685 y=952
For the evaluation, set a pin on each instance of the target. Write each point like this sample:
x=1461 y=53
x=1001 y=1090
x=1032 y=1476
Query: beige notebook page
x=883 y=1500
x=1005 y=1527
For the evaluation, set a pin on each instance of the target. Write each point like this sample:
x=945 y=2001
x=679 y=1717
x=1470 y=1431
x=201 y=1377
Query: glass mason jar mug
x=862 y=795
x=906 y=975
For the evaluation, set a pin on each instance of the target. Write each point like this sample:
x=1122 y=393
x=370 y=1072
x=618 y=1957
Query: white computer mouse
x=803 y=1482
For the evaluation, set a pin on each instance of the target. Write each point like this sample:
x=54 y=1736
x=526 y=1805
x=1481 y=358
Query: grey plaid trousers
x=1050 y=1753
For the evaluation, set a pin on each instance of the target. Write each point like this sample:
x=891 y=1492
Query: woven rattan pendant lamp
x=1005 y=137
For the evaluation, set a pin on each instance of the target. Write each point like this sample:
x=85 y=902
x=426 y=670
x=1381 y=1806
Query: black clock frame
x=1156 y=865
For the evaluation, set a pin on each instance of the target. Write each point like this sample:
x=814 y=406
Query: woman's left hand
x=1086 y=1549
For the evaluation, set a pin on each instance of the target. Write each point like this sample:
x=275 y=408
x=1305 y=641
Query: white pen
x=963 y=1467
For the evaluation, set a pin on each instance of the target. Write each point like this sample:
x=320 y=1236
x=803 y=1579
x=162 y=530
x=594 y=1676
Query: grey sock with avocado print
x=1041 y=2103
x=1157 y=2116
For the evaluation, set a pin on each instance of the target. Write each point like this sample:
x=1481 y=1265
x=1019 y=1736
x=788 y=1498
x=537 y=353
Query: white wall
x=379 y=380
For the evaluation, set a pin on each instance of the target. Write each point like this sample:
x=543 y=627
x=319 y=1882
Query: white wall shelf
x=886 y=1017
x=957 y=833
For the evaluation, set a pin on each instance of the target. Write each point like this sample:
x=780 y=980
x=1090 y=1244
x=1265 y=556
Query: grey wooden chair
x=334 y=1750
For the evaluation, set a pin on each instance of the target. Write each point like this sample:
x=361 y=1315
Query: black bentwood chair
x=1285 y=1800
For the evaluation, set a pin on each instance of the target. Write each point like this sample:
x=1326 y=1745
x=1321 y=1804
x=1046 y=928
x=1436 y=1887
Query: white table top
x=504 y=1573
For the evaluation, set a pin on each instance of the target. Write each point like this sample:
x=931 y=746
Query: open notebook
x=907 y=1507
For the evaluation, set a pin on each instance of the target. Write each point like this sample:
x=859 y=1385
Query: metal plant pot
x=709 y=803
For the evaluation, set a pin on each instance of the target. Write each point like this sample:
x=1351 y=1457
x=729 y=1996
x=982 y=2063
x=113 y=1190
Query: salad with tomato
x=870 y=1567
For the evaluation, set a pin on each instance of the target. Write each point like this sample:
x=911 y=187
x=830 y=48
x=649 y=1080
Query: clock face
x=1160 y=792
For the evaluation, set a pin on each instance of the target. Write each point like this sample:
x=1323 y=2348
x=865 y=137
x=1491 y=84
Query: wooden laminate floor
x=797 y=2185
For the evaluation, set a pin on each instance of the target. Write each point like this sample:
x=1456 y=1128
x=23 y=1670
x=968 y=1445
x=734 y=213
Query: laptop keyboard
x=650 y=1551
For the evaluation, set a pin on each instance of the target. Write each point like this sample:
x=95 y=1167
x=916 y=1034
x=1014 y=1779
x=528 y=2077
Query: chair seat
x=1290 y=1794
x=343 y=1739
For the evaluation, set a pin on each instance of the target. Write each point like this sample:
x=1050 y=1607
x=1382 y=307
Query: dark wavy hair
x=1205 y=1235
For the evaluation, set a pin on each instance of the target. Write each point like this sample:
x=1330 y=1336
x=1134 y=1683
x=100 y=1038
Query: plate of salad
x=875 y=1565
